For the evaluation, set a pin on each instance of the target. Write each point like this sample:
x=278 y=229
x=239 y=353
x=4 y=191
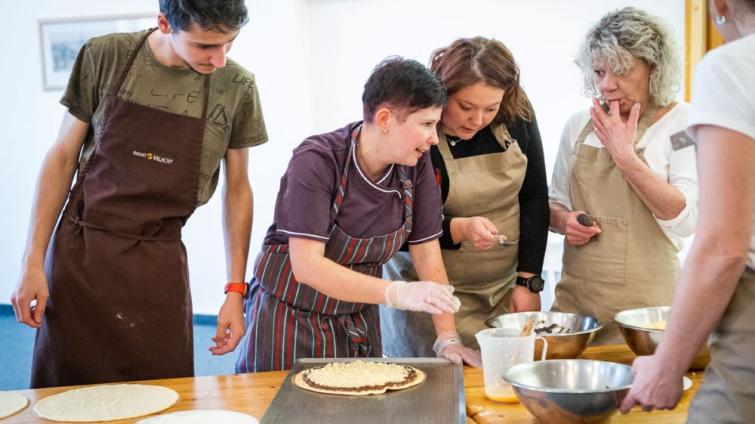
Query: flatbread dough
x=11 y=403
x=201 y=416
x=359 y=378
x=106 y=403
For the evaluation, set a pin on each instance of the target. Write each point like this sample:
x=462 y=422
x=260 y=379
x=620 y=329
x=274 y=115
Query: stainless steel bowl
x=568 y=391
x=633 y=324
x=560 y=346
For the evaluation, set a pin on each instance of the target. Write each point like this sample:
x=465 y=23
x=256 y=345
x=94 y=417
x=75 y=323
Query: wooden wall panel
x=700 y=35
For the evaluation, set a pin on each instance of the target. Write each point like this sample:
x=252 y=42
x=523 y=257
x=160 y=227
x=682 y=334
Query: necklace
x=453 y=140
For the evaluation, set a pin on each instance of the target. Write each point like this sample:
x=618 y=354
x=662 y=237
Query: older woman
x=490 y=167
x=624 y=164
x=348 y=200
x=717 y=287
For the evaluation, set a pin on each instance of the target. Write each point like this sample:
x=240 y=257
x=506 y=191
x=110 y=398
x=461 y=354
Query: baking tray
x=438 y=400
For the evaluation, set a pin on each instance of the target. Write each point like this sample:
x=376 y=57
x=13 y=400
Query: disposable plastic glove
x=448 y=345
x=422 y=296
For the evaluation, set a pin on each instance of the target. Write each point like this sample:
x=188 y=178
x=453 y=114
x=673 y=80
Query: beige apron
x=484 y=185
x=728 y=391
x=631 y=263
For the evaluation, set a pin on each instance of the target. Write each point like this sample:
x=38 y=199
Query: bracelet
x=242 y=288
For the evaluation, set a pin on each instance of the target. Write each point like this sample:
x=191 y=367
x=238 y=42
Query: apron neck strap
x=406 y=183
x=642 y=125
x=407 y=187
x=338 y=200
x=130 y=63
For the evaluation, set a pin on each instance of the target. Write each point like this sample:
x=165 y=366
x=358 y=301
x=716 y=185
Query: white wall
x=311 y=58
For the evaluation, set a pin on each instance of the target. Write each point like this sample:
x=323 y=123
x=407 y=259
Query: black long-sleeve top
x=533 y=196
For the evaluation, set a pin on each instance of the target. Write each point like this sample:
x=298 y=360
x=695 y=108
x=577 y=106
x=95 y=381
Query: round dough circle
x=11 y=403
x=201 y=416
x=299 y=381
x=106 y=403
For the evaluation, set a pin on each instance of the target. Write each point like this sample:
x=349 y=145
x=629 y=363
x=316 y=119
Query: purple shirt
x=369 y=209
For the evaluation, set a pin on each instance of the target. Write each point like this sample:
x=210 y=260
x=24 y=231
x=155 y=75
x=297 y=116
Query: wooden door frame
x=700 y=35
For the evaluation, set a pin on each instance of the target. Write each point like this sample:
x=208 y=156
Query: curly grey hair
x=628 y=33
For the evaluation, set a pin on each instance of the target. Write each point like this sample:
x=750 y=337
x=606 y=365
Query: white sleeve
x=559 y=188
x=722 y=93
x=682 y=175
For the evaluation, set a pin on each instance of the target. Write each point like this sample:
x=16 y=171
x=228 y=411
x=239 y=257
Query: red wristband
x=242 y=288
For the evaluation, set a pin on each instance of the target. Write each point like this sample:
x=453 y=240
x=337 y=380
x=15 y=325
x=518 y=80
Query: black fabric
x=533 y=196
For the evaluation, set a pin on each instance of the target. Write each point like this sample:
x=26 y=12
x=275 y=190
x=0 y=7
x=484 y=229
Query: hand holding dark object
x=576 y=233
x=585 y=220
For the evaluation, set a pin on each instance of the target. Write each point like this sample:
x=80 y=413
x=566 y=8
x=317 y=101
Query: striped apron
x=286 y=319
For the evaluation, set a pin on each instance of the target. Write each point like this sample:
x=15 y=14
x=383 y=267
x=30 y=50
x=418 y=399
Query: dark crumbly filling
x=411 y=376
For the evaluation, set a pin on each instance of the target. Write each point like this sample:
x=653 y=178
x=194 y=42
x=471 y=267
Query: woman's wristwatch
x=534 y=283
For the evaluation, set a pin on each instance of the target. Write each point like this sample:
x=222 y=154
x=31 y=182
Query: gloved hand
x=422 y=296
x=448 y=345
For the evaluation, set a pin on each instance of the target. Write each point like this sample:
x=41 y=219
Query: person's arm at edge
x=711 y=271
x=53 y=184
x=237 y=229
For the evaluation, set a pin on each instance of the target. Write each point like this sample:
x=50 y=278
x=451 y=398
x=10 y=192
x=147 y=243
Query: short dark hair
x=403 y=84
x=217 y=15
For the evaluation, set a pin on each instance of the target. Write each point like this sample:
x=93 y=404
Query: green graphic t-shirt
x=234 y=115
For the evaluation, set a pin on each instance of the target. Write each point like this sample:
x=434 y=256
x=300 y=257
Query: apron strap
x=358 y=340
x=84 y=224
x=338 y=200
x=408 y=190
x=642 y=126
x=406 y=183
x=130 y=63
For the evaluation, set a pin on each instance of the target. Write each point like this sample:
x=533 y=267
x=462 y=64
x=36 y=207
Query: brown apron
x=728 y=391
x=484 y=185
x=120 y=304
x=631 y=263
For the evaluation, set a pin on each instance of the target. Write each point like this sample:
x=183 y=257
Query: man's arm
x=50 y=194
x=237 y=229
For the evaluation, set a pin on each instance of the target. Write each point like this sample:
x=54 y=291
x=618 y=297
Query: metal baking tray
x=438 y=400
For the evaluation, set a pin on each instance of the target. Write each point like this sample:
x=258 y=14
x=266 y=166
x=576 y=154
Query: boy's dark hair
x=403 y=84
x=217 y=15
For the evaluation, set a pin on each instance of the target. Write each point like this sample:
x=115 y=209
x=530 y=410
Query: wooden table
x=253 y=393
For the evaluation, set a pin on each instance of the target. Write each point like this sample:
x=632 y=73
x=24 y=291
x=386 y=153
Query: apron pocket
x=603 y=259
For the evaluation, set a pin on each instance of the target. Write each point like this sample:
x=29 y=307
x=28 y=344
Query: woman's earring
x=720 y=20
x=385 y=130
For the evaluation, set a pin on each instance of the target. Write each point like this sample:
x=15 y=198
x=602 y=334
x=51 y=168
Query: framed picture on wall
x=61 y=40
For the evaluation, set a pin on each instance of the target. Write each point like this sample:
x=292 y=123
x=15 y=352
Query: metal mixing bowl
x=569 y=391
x=633 y=324
x=560 y=346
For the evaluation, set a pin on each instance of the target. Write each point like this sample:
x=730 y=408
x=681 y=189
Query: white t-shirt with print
x=723 y=95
